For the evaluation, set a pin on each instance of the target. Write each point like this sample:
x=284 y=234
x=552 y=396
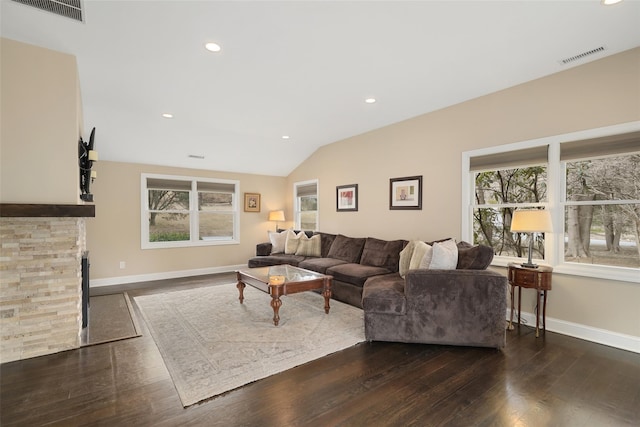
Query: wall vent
x=582 y=55
x=67 y=8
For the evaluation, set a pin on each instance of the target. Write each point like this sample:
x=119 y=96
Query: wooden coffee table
x=279 y=280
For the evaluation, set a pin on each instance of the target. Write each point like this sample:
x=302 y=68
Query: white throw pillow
x=278 y=241
x=405 y=258
x=309 y=246
x=426 y=258
x=293 y=240
x=445 y=256
x=418 y=253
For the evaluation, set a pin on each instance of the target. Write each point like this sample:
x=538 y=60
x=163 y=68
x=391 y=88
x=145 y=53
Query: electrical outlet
x=123 y=265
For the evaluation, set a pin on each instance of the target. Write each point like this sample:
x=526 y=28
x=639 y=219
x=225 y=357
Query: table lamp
x=531 y=221
x=276 y=216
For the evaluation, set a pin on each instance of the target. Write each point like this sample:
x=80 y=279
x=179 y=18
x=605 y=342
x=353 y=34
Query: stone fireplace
x=41 y=278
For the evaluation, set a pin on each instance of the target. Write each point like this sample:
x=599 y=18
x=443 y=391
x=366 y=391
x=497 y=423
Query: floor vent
x=67 y=8
x=582 y=55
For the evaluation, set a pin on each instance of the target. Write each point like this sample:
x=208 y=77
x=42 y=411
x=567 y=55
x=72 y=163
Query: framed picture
x=405 y=193
x=347 y=198
x=251 y=202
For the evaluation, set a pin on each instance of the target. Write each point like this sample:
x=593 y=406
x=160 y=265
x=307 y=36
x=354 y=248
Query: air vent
x=195 y=156
x=67 y=8
x=582 y=55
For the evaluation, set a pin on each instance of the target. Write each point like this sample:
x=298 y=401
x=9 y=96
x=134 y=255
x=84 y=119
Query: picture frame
x=252 y=202
x=405 y=193
x=347 y=198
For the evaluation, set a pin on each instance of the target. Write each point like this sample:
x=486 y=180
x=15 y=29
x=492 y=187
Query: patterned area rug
x=212 y=344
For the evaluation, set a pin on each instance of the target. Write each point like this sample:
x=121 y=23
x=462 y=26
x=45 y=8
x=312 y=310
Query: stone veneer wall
x=40 y=285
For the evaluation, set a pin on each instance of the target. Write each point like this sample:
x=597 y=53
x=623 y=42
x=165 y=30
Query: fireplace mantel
x=26 y=210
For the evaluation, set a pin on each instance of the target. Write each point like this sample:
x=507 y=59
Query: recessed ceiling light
x=285 y=137
x=167 y=115
x=212 y=47
x=370 y=100
x=610 y=2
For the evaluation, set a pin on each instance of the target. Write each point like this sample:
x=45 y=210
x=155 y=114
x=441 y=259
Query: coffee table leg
x=326 y=293
x=240 y=287
x=275 y=304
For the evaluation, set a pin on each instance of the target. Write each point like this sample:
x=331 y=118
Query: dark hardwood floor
x=553 y=380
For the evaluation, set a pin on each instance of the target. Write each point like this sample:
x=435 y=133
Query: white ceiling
x=301 y=69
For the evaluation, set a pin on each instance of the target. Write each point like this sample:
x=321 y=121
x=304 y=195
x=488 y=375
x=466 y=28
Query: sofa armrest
x=263 y=249
x=461 y=306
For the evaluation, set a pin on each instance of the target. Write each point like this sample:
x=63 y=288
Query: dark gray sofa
x=465 y=306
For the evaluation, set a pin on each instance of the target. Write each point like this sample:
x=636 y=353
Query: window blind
x=510 y=159
x=598 y=147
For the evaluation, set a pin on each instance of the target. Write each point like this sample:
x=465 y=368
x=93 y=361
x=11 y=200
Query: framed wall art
x=347 y=198
x=405 y=193
x=252 y=202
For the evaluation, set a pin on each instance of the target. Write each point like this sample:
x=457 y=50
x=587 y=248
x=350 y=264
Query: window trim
x=193 y=213
x=554 y=242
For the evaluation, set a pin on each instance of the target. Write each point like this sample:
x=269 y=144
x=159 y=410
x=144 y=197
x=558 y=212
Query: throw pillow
x=293 y=240
x=405 y=258
x=445 y=256
x=426 y=259
x=309 y=246
x=278 y=241
x=418 y=253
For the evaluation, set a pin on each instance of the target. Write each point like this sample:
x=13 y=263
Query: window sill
x=189 y=244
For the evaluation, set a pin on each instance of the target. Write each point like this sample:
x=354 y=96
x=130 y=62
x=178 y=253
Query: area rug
x=212 y=344
x=111 y=318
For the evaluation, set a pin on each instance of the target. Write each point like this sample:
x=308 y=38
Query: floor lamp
x=531 y=221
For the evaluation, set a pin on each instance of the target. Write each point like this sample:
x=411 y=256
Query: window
x=602 y=201
x=305 y=196
x=502 y=185
x=184 y=211
x=587 y=180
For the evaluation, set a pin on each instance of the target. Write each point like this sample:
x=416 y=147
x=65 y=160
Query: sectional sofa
x=464 y=304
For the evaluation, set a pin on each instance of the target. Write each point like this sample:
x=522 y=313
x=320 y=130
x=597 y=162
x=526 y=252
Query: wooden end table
x=534 y=278
x=279 y=280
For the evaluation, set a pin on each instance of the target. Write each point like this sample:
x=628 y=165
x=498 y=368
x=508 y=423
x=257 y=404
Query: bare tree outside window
x=602 y=213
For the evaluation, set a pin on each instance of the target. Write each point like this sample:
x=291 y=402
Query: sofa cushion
x=419 y=251
x=405 y=258
x=277 y=241
x=471 y=257
x=382 y=253
x=265 y=261
x=326 y=240
x=445 y=256
x=356 y=274
x=309 y=246
x=348 y=249
x=320 y=265
x=293 y=240
x=384 y=294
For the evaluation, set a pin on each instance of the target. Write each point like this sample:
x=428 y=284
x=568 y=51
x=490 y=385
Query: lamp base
x=529 y=265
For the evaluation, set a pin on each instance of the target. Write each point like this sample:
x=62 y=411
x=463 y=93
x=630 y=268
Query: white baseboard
x=121 y=280
x=589 y=333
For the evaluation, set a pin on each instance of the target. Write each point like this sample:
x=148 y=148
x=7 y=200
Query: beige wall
x=597 y=94
x=40 y=124
x=114 y=234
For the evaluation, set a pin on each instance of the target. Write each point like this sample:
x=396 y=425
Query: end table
x=535 y=278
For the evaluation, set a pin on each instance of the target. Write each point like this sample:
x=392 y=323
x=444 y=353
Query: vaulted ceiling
x=300 y=69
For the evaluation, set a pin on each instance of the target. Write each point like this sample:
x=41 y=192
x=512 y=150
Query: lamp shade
x=276 y=216
x=531 y=221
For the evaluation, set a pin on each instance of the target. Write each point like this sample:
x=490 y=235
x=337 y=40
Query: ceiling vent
x=582 y=55
x=67 y=8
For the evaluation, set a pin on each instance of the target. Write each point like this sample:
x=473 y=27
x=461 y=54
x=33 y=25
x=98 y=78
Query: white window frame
x=296 y=204
x=554 y=241
x=193 y=213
